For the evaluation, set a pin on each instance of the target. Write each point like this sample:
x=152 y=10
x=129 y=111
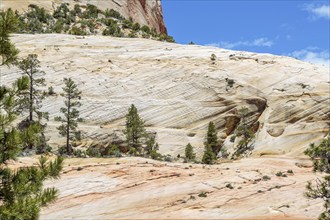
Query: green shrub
x=202 y=194
x=290 y=171
x=127 y=24
x=265 y=178
x=79 y=153
x=58 y=26
x=77 y=31
x=145 y=29
x=136 y=27
x=113 y=14
x=93 y=152
x=229 y=186
x=155 y=155
x=213 y=57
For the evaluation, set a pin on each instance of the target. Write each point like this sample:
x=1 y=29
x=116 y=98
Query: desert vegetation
x=23 y=123
x=83 y=20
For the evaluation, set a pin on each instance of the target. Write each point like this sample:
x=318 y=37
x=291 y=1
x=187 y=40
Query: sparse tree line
x=21 y=191
x=83 y=20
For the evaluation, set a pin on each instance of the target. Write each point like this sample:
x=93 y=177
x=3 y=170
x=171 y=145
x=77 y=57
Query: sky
x=283 y=27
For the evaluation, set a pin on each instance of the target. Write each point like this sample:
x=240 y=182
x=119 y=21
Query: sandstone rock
x=145 y=12
x=178 y=91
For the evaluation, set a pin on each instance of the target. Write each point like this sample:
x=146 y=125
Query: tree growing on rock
x=212 y=146
x=134 y=129
x=189 y=152
x=320 y=155
x=33 y=130
x=70 y=119
x=21 y=191
x=244 y=132
x=30 y=67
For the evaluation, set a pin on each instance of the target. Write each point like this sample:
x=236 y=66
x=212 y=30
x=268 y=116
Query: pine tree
x=212 y=139
x=320 y=155
x=189 y=152
x=245 y=133
x=134 y=130
x=10 y=137
x=21 y=191
x=8 y=51
x=30 y=67
x=70 y=120
x=208 y=156
x=151 y=144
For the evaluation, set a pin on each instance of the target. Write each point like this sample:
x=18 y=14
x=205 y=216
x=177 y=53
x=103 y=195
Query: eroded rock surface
x=178 y=91
x=137 y=188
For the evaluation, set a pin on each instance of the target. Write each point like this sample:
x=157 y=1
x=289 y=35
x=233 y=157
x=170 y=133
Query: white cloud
x=318 y=11
x=260 y=42
x=312 y=55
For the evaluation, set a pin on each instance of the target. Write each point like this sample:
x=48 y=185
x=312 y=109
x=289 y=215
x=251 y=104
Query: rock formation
x=139 y=188
x=145 y=12
x=178 y=90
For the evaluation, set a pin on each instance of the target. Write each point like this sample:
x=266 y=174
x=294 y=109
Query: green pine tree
x=208 y=156
x=30 y=67
x=320 y=155
x=8 y=51
x=134 y=129
x=244 y=132
x=21 y=190
x=189 y=152
x=69 y=126
x=212 y=139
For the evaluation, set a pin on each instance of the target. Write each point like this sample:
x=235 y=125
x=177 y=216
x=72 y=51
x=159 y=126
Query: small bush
x=266 y=178
x=93 y=152
x=229 y=186
x=51 y=91
x=290 y=171
x=155 y=155
x=213 y=57
x=202 y=194
x=113 y=14
x=77 y=31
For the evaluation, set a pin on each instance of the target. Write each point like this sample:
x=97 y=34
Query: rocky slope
x=137 y=188
x=145 y=12
x=178 y=90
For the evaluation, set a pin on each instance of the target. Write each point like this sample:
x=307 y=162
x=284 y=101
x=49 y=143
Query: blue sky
x=293 y=28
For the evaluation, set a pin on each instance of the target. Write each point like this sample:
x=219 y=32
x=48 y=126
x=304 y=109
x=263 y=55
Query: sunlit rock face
x=178 y=90
x=145 y=12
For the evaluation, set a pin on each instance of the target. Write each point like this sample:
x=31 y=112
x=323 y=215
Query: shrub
x=202 y=194
x=77 y=31
x=145 y=29
x=229 y=186
x=265 y=178
x=113 y=14
x=93 y=152
x=155 y=155
x=136 y=27
x=51 y=90
x=127 y=24
x=290 y=171
x=279 y=173
x=213 y=57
